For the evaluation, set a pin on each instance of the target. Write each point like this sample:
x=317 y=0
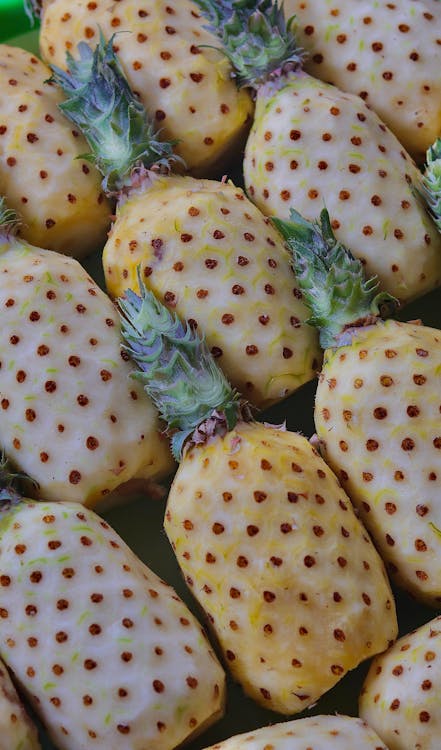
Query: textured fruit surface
x=387 y=53
x=269 y=544
x=169 y=60
x=402 y=690
x=313 y=146
x=57 y=194
x=312 y=733
x=17 y=732
x=209 y=254
x=377 y=415
x=70 y=415
x=108 y=654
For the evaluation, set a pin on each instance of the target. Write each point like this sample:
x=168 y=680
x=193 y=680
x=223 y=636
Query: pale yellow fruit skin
x=188 y=90
x=84 y=583
x=57 y=195
x=377 y=415
x=17 y=731
x=353 y=45
x=320 y=732
x=312 y=146
x=80 y=427
x=212 y=257
x=401 y=694
x=293 y=588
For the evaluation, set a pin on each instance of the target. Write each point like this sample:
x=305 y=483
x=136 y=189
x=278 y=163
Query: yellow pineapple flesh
x=271 y=548
x=57 y=194
x=389 y=54
x=70 y=416
x=377 y=415
x=18 y=732
x=312 y=145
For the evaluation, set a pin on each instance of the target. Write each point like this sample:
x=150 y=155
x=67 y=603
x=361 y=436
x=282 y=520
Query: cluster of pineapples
x=216 y=218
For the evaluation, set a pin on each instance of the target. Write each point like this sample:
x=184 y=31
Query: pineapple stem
x=115 y=123
x=177 y=370
x=255 y=36
x=9 y=220
x=332 y=280
x=431 y=182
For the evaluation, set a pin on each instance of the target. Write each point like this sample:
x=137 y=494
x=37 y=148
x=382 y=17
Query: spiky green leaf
x=431 y=182
x=114 y=121
x=332 y=281
x=11 y=483
x=216 y=12
x=9 y=219
x=255 y=36
x=175 y=366
x=33 y=10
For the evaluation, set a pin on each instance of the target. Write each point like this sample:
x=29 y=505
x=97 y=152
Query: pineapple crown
x=431 y=182
x=255 y=36
x=9 y=220
x=10 y=484
x=177 y=370
x=100 y=102
x=33 y=10
x=332 y=281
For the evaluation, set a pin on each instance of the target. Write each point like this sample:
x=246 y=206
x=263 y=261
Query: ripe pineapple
x=170 y=59
x=401 y=693
x=17 y=731
x=57 y=193
x=203 y=247
x=69 y=416
x=320 y=732
x=106 y=652
x=377 y=406
x=312 y=145
x=266 y=538
x=389 y=54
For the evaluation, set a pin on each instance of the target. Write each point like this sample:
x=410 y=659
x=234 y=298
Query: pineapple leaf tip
x=255 y=36
x=176 y=369
x=114 y=121
x=9 y=219
x=430 y=186
x=332 y=280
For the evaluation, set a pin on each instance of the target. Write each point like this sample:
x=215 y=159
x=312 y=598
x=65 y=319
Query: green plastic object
x=13 y=20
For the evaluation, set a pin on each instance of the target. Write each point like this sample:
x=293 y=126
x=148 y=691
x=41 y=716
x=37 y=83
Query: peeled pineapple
x=377 y=405
x=269 y=544
x=389 y=54
x=57 y=194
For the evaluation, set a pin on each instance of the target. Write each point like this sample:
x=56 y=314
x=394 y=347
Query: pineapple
x=377 y=405
x=312 y=145
x=203 y=247
x=267 y=540
x=69 y=415
x=170 y=59
x=105 y=650
x=401 y=693
x=320 y=732
x=57 y=193
x=389 y=54
x=17 y=731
